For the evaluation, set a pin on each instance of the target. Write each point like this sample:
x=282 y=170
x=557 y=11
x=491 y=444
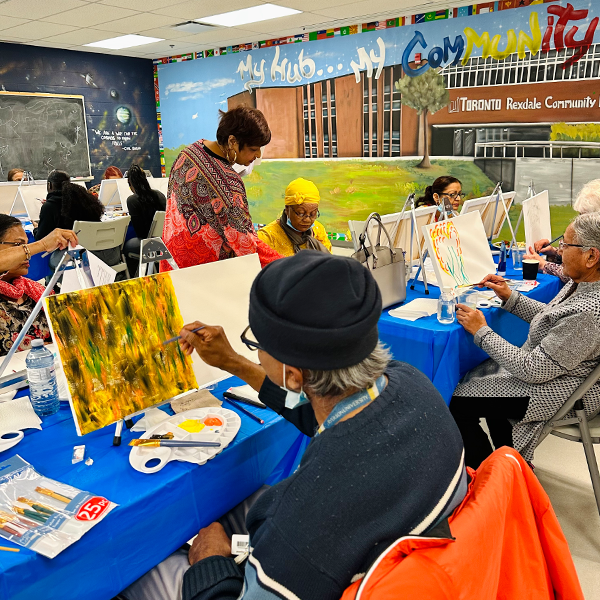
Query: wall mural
x=500 y=96
x=119 y=100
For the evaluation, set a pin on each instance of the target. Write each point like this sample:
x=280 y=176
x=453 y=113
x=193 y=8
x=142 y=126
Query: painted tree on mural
x=425 y=93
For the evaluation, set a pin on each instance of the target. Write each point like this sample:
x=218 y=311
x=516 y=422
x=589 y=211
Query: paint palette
x=198 y=425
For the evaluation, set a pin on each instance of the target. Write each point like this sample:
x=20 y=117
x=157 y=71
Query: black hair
x=437 y=187
x=79 y=205
x=139 y=184
x=7 y=222
x=57 y=179
x=248 y=125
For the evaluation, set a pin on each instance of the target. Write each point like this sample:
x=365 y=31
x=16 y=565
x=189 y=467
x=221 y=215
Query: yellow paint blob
x=192 y=425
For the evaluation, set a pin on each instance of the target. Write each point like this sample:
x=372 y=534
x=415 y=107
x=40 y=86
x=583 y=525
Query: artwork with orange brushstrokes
x=109 y=339
x=459 y=250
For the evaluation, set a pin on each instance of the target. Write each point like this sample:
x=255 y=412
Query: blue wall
x=108 y=83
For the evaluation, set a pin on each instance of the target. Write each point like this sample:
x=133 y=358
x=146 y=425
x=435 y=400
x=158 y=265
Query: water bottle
x=42 y=379
x=446 y=307
x=502 y=261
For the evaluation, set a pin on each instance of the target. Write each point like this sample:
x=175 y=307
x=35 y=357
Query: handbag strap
x=365 y=235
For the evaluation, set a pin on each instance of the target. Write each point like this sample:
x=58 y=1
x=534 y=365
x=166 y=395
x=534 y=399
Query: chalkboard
x=43 y=132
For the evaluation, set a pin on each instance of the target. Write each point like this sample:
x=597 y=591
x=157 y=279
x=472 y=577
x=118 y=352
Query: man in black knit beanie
x=386 y=459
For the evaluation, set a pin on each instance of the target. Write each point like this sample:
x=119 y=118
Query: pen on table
x=243 y=410
x=232 y=396
x=47 y=253
x=178 y=337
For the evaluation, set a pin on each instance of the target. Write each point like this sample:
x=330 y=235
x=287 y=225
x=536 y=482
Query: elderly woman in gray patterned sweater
x=518 y=389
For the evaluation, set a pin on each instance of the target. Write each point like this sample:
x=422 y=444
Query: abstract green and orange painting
x=109 y=339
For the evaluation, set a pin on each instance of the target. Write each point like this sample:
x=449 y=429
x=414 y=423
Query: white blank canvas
x=536 y=218
x=486 y=206
x=114 y=192
x=459 y=250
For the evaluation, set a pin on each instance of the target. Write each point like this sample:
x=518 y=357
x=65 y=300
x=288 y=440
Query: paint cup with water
x=517 y=257
x=446 y=307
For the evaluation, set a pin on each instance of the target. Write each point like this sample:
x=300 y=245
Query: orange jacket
x=507 y=545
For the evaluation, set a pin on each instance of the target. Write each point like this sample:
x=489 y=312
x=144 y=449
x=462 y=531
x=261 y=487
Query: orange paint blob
x=213 y=422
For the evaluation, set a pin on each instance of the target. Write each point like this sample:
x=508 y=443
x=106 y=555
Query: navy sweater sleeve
x=302 y=417
x=212 y=578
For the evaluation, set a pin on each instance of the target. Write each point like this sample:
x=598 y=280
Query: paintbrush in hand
x=178 y=337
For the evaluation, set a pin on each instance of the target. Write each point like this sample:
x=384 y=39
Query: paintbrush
x=7 y=549
x=48 y=253
x=469 y=285
x=140 y=443
x=243 y=410
x=37 y=506
x=178 y=337
x=55 y=495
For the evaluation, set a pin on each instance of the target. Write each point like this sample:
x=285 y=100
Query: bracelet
x=27 y=251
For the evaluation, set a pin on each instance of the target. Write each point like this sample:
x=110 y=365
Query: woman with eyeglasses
x=445 y=191
x=517 y=390
x=297 y=228
x=19 y=295
x=587 y=201
x=207 y=209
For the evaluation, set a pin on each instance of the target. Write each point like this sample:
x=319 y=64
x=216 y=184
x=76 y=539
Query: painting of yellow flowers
x=109 y=339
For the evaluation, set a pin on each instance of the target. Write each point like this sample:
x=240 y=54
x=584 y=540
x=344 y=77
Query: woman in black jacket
x=66 y=203
x=142 y=205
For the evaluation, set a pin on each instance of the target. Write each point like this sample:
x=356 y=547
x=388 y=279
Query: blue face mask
x=293 y=399
x=290 y=225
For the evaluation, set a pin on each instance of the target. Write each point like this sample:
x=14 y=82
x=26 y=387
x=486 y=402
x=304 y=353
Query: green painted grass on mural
x=351 y=189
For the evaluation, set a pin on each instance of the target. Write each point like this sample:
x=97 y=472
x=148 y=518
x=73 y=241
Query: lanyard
x=350 y=404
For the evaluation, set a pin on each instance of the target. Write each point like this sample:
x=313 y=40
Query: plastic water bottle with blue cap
x=42 y=379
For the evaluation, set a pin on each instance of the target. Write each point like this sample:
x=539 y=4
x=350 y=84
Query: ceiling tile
x=141 y=5
x=90 y=15
x=309 y=5
x=79 y=37
x=138 y=23
x=38 y=8
x=35 y=30
x=194 y=9
x=8 y=22
x=220 y=36
x=367 y=9
x=47 y=44
x=166 y=33
x=6 y=37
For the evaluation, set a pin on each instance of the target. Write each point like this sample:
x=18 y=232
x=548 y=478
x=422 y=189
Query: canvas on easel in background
x=459 y=250
x=536 y=218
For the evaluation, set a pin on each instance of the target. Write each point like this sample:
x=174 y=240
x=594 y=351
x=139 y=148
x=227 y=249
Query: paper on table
x=245 y=391
x=17 y=415
x=416 y=309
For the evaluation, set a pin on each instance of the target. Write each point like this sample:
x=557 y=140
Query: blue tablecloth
x=446 y=352
x=156 y=514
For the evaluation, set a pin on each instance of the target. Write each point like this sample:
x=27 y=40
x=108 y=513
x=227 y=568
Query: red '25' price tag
x=92 y=509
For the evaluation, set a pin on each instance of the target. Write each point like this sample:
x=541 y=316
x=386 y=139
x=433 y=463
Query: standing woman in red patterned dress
x=207 y=209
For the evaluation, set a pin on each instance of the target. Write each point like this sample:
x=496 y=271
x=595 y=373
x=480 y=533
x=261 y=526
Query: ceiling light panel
x=124 y=41
x=254 y=14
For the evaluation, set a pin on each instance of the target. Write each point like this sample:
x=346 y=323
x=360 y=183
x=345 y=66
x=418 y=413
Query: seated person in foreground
x=18 y=295
x=587 y=201
x=386 y=459
x=15 y=175
x=110 y=173
x=297 y=228
x=443 y=188
x=517 y=390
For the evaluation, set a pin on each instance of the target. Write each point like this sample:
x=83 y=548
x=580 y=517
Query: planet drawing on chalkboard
x=114 y=94
x=123 y=114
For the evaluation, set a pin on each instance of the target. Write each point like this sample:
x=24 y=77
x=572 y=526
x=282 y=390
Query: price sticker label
x=93 y=509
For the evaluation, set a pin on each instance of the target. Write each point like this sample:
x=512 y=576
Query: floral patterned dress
x=207 y=212
x=12 y=318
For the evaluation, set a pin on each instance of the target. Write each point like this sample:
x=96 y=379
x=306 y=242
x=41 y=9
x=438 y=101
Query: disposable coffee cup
x=530 y=268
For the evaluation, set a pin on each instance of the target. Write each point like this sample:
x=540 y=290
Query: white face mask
x=242 y=170
x=293 y=399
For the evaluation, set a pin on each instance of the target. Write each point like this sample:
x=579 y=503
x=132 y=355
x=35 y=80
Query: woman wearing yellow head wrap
x=297 y=228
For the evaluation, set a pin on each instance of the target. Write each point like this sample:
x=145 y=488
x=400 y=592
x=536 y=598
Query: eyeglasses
x=315 y=214
x=454 y=195
x=562 y=245
x=13 y=243
x=248 y=338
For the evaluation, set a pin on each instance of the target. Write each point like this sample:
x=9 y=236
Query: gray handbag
x=386 y=263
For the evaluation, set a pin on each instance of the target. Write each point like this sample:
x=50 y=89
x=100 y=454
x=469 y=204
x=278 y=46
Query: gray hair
x=362 y=375
x=588 y=199
x=587 y=231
